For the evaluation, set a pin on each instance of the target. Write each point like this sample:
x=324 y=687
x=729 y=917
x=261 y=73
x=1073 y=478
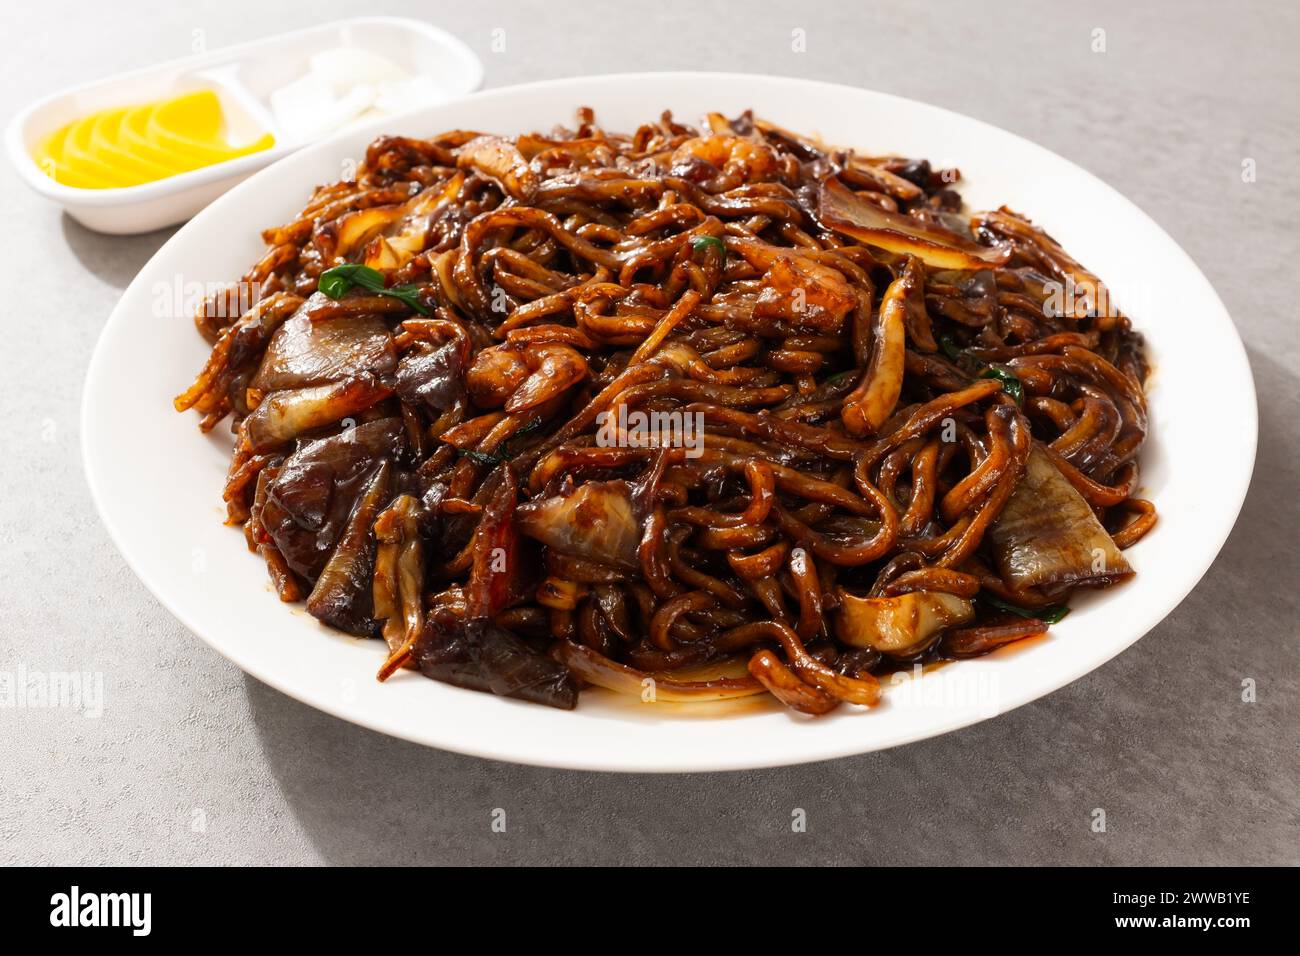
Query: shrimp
x=806 y=294
x=494 y=375
x=737 y=160
x=523 y=378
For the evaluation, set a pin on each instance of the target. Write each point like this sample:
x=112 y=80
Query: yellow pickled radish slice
x=107 y=142
x=51 y=159
x=190 y=126
x=130 y=145
x=80 y=155
x=135 y=137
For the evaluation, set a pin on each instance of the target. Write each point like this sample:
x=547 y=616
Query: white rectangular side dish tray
x=243 y=78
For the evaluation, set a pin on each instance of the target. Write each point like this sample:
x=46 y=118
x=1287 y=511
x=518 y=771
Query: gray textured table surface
x=192 y=762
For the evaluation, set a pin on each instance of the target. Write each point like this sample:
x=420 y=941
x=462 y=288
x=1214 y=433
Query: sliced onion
x=403 y=239
x=596 y=668
x=499 y=159
x=1047 y=536
x=898 y=625
x=289 y=413
x=846 y=212
x=595 y=521
x=356 y=228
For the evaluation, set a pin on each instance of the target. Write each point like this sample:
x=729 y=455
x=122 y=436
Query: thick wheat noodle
x=846 y=452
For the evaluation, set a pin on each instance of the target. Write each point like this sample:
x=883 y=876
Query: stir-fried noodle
x=592 y=408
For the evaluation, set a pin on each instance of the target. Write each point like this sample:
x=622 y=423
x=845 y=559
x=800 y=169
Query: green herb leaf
x=1053 y=614
x=339 y=281
x=1048 y=615
x=334 y=284
x=481 y=457
x=527 y=428
x=701 y=243
x=505 y=452
x=1010 y=384
x=968 y=363
x=950 y=347
x=841 y=376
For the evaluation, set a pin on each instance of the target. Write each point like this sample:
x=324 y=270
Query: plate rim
x=1015 y=697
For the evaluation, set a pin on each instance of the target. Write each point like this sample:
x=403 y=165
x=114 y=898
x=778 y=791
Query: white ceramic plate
x=157 y=481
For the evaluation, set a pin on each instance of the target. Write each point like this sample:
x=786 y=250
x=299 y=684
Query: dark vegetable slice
x=1048 y=537
x=343 y=595
x=305 y=352
x=466 y=648
x=481 y=656
x=432 y=376
x=311 y=498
